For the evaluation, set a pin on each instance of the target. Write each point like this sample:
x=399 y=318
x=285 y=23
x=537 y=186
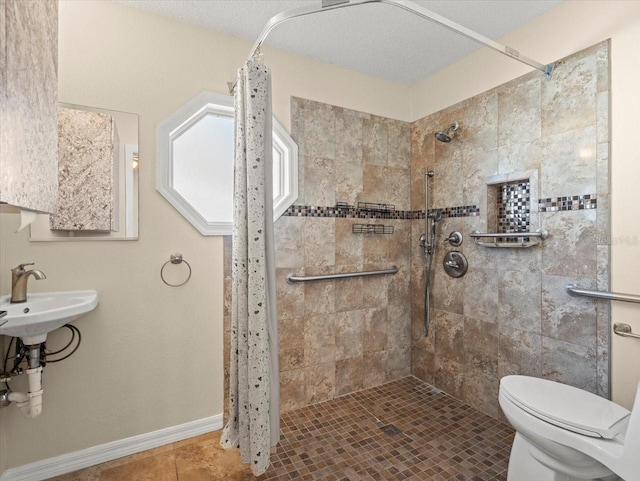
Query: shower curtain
x=254 y=404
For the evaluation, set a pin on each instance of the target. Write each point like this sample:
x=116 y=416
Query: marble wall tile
x=319 y=297
x=519 y=112
x=349 y=375
x=319 y=339
x=319 y=130
x=519 y=157
x=602 y=116
x=570 y=249
x=480 y=347
x=449 y=335
x=481 y=294
x=348 y=138
x=477 y=165
x=375 y=330
x=567 y=318
x=520 y=352
x=375 y=141
x=318 y=252
x=374 y=368
x=348 y=331
x=602 y=168
x=569 y=163
x=446 y=187
x=603 y=220
x=292 y=390
x=289 y=241
x=320 y=382
x=290 y=332
x=349 y=293
x=322 y=191
x=349 y=181
x=520 y=300
x=399 y=326
x=399 y=144
x=291 y=358
x=398 y=363
x=602 y=66
x=569 y=363
x=479 y=122
x=569 y=100
x=481 y=391
x=375 y=289
x=423 y=364
x=290 y=297
x=603 y=387
x=348 y=246
x=386 y=185
x=375 y=248
x=449 y=376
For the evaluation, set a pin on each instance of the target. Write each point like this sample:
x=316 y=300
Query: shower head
x=447 y=135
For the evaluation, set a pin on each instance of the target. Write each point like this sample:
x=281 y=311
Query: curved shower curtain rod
x=405 y=5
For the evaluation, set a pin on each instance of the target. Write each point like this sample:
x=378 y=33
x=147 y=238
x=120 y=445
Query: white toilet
x=566 y=434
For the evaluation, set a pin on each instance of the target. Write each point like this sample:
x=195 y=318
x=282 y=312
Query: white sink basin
x=43 y=313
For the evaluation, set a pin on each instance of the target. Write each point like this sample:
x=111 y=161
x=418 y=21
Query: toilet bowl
x=566 y=434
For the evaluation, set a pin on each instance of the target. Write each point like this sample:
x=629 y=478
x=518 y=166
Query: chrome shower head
x=447 y=135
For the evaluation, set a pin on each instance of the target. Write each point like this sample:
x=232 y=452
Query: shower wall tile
x=569 y=163
x=519 y=112
x=481 y=346
x=570 y=249
x=517 y=317
x=567 y=318
x=398 y=144
x=569 y=100
x=289 y=239
x=449 y=330
x=520 y=300
x=349 y=139
x=375 y=140
x=519 y=157
x=481 y=301
x=569 y=363
x=343 y=335
x=348 y=335
x=349 y=375
x=520 y=352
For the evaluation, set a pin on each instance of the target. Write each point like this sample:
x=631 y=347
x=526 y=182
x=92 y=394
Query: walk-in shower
x=428 y=239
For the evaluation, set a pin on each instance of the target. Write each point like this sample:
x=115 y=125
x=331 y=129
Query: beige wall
x=570 y=27
x=151 y=356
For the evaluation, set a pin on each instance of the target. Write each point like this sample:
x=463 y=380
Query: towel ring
x=175 y=259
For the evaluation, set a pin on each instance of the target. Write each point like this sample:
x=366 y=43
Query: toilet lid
x=565 y=406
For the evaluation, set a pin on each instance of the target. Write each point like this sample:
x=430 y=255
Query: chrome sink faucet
x=19 y=278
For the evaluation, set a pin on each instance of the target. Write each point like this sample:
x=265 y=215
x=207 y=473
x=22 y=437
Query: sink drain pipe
x=30 y=404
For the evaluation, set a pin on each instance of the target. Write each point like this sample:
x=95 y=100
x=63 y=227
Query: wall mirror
x=195 y=163
x=97 y=177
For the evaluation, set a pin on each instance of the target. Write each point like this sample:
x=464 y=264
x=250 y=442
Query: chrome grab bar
x=572 y=290
x=478 y=235
x=624 y=330
x=343 y=275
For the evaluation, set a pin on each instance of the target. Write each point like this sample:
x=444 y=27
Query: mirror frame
x=210 y=103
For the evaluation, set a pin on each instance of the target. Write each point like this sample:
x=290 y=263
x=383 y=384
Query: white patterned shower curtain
x=254 y=398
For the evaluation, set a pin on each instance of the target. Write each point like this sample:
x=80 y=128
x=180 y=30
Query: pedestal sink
x=44 y=312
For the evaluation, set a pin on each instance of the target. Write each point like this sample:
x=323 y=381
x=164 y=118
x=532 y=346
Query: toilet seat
x=566 y=407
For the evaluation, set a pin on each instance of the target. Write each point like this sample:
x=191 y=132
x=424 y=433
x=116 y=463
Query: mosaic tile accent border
x=514 y=207
x=576 y=202
x=347 y=211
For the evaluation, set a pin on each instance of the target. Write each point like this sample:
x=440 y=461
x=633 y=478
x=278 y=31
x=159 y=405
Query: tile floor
x=402 y=430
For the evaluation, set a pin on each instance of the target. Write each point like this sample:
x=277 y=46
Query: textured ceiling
x=376 y=39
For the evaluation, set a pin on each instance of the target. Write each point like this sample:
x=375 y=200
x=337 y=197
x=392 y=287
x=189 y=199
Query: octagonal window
x=195 y=163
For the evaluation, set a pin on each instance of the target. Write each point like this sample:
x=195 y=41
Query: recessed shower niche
x=512 y=209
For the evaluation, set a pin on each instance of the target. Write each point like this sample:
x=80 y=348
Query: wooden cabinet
x=28 y=104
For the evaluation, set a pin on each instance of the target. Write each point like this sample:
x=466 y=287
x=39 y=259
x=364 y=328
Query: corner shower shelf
x=521 y=239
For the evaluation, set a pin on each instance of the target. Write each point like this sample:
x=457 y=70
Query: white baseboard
x=67 y=463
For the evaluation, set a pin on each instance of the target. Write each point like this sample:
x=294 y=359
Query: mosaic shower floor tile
x=402 y=430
